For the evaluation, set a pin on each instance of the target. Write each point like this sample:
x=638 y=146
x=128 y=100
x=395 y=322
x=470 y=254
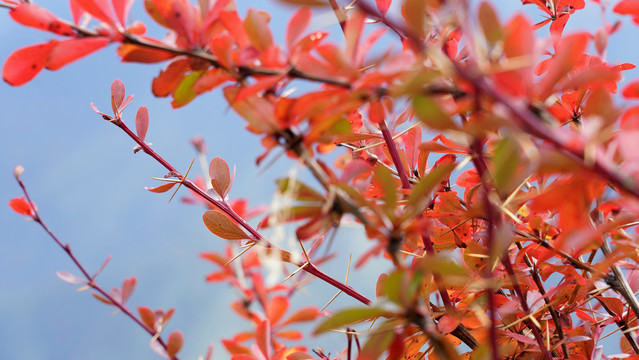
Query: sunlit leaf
x=67 y=51
x=428 y=112
x=34 y=16
x=24 y=64
x=348 y=317
x=21 y=206
x=220 y=225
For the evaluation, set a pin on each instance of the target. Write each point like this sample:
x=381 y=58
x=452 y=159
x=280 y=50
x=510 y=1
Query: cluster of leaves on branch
x=491 y=163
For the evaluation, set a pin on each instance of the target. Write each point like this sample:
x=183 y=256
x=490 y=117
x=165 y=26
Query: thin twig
x=90 y=279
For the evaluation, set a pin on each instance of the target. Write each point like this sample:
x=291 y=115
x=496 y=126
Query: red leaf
x=128 y=286
x=220 y=176
x=162 y=188
x=174 y=343
x=448 y=323
x=21 y=206
x=142 y=122
x=122 y=8
x=383 y=6
x=627 y=7
x=67 y=51
x=39 y=18
x=299 y=22
x=24 y=64
x=376 y=112
x=220 y=225
x=99 y=9
x=631 y=91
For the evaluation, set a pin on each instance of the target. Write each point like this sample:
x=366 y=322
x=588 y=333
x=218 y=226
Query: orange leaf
x=169 y=78
x=24 y=64
x=21 y=206
x=309 y=313
x=256 y=27
x=39 y=18
x=147 y=315
x=174 y=343
x=263 y=338
x=71 y=50
x=143 y=54
x=631 y=91
x=162 y=188
x=276 y=308
x=220 y=225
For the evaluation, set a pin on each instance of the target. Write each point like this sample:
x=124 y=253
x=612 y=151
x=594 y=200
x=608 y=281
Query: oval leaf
x=21 y=206
x=24 y=64
x=174 y=343
x=220 y=225
x=220 y=176
x=148 y=316
x=39 y=18
x=347 y=317
x=71 y=50
x=142 y=122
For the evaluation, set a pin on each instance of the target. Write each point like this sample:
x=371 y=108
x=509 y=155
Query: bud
x=17 y=171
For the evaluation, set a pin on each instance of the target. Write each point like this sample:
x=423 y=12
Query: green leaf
x=348 y=317
x=383 y=178
x=431 y=114
x=505 y=158
x=489 y=22
x=379 y=341
x=220 y=225
x=298 y=190
x=184 y=92
x=442 y=265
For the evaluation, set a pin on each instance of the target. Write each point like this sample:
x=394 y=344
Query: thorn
x=182 y=180
x=295 y=272
x=248 y=247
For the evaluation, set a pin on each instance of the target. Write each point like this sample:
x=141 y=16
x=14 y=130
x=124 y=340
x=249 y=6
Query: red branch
x=91 y=279
x=310 y=268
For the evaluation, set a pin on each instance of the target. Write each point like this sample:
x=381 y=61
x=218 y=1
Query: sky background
x=89 y=187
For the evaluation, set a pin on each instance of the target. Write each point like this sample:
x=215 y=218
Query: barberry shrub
x=491 y=164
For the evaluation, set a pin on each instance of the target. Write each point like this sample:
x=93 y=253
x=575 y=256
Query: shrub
x=489 y=162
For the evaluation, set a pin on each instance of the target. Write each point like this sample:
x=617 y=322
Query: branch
x=90 y=279
x=310 y=268
x=494 y=221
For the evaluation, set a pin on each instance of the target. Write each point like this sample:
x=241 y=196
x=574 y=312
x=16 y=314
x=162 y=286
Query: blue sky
x=88 y=185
